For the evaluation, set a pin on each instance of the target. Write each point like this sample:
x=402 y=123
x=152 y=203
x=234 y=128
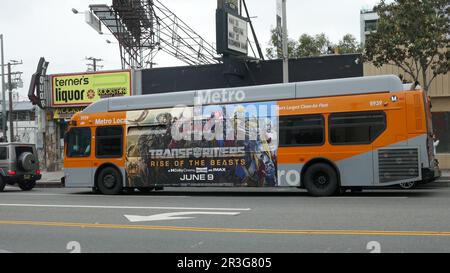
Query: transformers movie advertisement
x=218 y=145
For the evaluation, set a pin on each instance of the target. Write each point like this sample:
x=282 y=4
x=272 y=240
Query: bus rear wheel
x=109 y=181
x=408 y=185
x=321 y=180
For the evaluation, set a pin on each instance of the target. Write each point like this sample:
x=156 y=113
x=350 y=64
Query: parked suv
x=19 y=165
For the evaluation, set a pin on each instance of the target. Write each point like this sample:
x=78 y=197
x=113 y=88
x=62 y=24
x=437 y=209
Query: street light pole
x=3 y=89
x=285 y=45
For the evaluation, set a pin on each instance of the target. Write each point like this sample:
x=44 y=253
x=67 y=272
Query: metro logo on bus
x=219 y=97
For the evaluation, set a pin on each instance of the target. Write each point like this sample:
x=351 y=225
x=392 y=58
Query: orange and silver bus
x=322 y=136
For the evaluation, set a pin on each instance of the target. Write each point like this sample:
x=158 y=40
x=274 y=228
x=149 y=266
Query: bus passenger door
x=78 y=162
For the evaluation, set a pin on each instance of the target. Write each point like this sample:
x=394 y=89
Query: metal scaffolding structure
x=145 y=27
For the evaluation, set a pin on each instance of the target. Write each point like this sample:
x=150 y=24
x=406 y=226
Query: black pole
x=261 y=55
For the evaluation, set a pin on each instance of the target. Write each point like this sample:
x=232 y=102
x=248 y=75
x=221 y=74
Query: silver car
x=19 y=164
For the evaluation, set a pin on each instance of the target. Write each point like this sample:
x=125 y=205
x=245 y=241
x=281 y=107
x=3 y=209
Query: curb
x=49 y=184
x=445 y=183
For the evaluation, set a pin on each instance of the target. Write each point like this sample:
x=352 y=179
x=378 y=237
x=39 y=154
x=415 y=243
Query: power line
x=94 y=65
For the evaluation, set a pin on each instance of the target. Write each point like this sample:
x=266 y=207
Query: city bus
x=323 y=136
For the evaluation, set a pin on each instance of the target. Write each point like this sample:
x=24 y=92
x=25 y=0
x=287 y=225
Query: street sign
x=36 y=93
x=237 y=31
x=232 y=33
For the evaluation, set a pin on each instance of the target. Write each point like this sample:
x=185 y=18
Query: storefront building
x=67 y=94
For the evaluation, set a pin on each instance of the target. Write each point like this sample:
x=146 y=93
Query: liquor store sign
x=83 y=89
x=66 y=112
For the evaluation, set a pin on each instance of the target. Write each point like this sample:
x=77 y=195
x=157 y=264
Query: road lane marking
x=231 y=230
x=120 y=207
x=175 y=216
x=365 y=197
x=90 y=195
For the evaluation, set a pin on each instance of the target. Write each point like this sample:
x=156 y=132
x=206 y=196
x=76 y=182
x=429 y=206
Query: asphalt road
x=225 y=221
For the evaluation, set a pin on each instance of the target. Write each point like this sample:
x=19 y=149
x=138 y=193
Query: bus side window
x=308 y=130
x=109 y=142
x=356 y=128
x=79 y=142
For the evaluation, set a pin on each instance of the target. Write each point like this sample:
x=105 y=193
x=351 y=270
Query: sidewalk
x=50 y=180
x=445 y=175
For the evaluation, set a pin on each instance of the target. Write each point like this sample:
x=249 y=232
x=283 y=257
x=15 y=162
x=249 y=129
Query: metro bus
x=322 y=136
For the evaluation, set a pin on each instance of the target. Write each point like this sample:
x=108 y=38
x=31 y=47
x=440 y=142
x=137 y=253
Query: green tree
x=413 y=35
x=310 y=46
x=274 y=51
x=349 y=45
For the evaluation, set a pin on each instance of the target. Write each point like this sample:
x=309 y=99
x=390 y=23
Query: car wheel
x=2 y=184
x=408 y=185
x=27 y=185
x=109 y=181
x=321 y=180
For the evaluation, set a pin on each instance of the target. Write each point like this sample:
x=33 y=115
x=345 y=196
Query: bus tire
x=2 y=184
x=408 y=185
x=109 y=181
x=321 y=180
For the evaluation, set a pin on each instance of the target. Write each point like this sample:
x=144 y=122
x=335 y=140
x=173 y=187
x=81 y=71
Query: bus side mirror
x=66 y=136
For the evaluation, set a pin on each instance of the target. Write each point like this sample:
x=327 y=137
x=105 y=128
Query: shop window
x=441 y=126
x=3 y=153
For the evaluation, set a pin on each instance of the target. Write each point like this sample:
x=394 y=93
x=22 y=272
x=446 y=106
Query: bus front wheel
x=321 y=180
x=109 y=181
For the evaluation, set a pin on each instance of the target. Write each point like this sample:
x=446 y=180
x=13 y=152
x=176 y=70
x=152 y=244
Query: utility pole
x=11 y=87
x=94 y=64
x=285 y=45
x=3 y=89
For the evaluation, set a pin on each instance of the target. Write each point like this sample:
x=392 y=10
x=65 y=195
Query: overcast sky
x=48 y=28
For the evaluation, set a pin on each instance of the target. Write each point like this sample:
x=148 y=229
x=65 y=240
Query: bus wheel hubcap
x=109 y=181
x=408 y=185
x=321 y=179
